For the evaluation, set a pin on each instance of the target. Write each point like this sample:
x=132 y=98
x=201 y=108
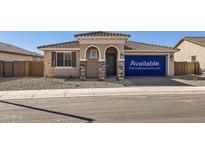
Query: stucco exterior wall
x=59 y=72
x=92 y=64
x=96 y=69
x=188 y=49
x=14 y=57
x=170 y=65
x=52 y=71
x=102 y=48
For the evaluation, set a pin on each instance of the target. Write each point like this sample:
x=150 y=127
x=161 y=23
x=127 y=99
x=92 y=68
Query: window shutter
x=73 y=59
x=53 y=59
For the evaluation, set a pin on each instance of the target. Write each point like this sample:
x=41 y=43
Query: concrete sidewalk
x=26 y=94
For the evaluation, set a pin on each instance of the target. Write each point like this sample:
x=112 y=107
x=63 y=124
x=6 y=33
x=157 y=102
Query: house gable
x=189 y=49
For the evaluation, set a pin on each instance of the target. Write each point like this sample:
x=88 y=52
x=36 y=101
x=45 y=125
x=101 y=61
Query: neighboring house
x=192 y=49
x=102 y=54
x=10 y=52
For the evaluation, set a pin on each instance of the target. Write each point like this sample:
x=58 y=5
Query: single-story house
x=102 y=54
x=10 y=52
x=192 y=49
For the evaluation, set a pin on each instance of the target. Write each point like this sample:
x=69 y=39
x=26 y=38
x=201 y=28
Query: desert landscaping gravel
x=55 y=83
x=37 y=83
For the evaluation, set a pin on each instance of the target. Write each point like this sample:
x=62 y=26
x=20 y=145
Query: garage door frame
x=165 y=68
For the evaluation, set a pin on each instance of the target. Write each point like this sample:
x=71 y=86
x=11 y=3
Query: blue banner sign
x=145 y=65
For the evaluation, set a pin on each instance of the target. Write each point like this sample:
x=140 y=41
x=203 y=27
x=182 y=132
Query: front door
x=111 y=64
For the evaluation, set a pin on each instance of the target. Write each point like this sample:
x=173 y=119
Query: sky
x=31 y=39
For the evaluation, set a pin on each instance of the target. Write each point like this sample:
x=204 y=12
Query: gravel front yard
x=32 y=83
x=55 y=83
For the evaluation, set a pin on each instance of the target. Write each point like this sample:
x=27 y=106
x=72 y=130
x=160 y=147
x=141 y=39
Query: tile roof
x=131 y=46
x=4 y=47
x=102 y=34
x=38 y=54
x=196 y=40
x=73 y=44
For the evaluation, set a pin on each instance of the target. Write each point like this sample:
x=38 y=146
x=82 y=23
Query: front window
x=93 y=54
x=68 y=58
x=64 y=59
x=60 y=59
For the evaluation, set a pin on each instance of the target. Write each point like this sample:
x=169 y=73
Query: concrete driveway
x=154 y=81
x=185 y=80
x=139 y=108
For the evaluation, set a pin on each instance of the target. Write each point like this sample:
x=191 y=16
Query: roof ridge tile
x=101 y=33
x=156 y=45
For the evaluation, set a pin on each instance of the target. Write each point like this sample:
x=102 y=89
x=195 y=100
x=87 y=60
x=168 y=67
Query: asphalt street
x=154 y=108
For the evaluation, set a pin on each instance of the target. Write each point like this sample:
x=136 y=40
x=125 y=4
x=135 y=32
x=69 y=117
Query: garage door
x=8 y=69
x=145 y=65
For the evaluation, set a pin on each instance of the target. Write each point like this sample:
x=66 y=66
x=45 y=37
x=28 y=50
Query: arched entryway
x=92 y=56
x=111 y=55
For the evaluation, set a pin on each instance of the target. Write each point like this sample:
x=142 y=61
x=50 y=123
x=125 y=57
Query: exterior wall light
x=171 y=57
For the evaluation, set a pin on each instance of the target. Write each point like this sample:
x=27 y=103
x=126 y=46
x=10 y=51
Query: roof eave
x=176 y=46
x=15 y=53
x=186 y=39
x=151 y=51
x=63 y=49
x=195 y=42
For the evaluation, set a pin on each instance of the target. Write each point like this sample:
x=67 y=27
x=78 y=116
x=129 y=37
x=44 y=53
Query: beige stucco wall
x=101 y=45
x=188 y=49
x=92 y=68
x=14 y=57
x=102 y=48
x=59 y=72
x=51 y=71
x=170 y=64
x=92 y=64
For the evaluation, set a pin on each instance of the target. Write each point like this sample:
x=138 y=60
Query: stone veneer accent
x=48 y=69
x=120 y=70
x=83 y=70
x=102 y=70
